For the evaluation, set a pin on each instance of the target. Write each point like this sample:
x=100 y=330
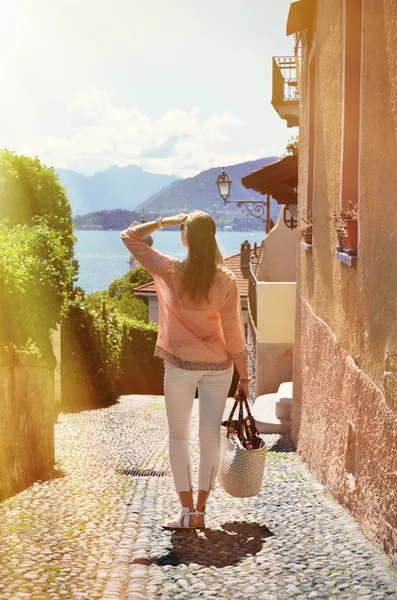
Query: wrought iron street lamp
x=224 y=184
x=256 y=208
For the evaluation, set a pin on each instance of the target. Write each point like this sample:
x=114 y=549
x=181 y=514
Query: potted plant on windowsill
x=342 y=238
x=350 y=217
x=345 y=222
x=306 y=231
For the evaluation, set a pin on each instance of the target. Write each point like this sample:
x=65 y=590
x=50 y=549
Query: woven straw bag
x=243 y=453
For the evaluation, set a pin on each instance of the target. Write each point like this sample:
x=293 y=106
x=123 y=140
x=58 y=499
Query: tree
x=131 y=280
x=37 y=265
x=120 y=295
x=29 y=189
x=35 y=277
x=292 y=147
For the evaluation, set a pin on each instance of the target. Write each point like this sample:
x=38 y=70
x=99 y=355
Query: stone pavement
x=93 y=533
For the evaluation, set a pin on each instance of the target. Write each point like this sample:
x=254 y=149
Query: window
x=311 y=123
x=352 y=15
x=351 y=100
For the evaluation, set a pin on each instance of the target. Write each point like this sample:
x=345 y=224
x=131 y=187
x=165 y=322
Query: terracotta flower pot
x=352 y=234
x=308 y=237
x=341 y=239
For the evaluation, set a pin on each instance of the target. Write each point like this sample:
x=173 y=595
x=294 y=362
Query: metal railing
x=285 y=80
x=252 y=302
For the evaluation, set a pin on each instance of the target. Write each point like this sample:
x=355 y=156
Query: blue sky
x=175 y=87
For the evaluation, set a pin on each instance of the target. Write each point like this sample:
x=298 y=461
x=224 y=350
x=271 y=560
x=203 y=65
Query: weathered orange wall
x=346 y=345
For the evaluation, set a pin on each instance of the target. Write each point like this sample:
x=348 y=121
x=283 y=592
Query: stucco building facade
x=344 y=414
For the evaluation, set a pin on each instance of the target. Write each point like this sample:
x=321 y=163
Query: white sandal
x=183 y=521
x=203 y=515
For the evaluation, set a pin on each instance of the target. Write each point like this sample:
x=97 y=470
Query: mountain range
x=117 y=187
x=201 y=191
x=102 y=200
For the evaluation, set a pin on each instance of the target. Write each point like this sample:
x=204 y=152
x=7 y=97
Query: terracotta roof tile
x=232 y=263
x=278 y=179
x=146 y=287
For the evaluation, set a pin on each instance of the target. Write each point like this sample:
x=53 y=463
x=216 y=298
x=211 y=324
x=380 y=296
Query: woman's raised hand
x=174 y=221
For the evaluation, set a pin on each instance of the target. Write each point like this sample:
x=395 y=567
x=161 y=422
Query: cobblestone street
x=95 y=533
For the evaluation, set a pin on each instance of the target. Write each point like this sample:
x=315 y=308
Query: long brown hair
x=203 y=258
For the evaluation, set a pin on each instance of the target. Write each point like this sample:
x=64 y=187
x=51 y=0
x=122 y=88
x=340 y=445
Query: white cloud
x=179 y=142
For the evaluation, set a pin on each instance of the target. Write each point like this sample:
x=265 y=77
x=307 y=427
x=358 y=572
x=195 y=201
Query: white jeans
x=179 y=390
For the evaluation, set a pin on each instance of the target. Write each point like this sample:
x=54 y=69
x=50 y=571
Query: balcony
x=285 y=98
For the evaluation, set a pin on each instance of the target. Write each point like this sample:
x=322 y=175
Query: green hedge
x=90 y=349
x=105 y=354
x=141 y=371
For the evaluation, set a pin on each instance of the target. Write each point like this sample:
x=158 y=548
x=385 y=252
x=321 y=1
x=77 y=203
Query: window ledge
x=348 y=259
x=307 y=247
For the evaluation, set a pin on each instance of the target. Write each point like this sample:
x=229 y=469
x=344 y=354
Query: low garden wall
x=26 y=421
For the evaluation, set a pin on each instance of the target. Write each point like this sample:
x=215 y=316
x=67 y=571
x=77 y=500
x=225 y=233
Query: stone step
x=264 y=413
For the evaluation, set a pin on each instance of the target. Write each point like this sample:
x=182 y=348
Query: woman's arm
x=233 y=332
x=145 y=229
x=241 y=366
x=153 y=260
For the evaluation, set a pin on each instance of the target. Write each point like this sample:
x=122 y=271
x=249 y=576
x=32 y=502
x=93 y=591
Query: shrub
x=35 y=277
x=141 y=371
x=90 y=363
x=105 y=354
x=126 y=304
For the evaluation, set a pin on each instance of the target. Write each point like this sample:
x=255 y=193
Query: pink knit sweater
x=204 y=336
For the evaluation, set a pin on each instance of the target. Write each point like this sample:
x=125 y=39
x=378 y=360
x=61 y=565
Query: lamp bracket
x=256 y=208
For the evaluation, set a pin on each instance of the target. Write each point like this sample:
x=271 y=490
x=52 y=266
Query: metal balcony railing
x=285 y=79
x=285 y=98
x=252 y=285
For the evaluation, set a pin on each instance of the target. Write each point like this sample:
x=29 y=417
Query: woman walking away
x=200 y=337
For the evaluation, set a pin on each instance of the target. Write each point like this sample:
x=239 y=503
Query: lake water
x=103 y=257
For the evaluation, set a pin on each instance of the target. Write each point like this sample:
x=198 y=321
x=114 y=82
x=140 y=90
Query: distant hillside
x=115 y=188
x=201 y=192
x=117 y=219
x=120 y=219
x=186 y=195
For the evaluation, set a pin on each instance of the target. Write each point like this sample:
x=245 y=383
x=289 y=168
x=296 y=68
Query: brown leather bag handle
x=240 y=399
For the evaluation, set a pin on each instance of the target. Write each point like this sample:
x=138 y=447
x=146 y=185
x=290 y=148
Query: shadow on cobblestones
x=283 y=444
x=228 y=546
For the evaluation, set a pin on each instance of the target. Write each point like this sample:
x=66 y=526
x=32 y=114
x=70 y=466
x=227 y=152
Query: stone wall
x=345 y=430
x=26 y=421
